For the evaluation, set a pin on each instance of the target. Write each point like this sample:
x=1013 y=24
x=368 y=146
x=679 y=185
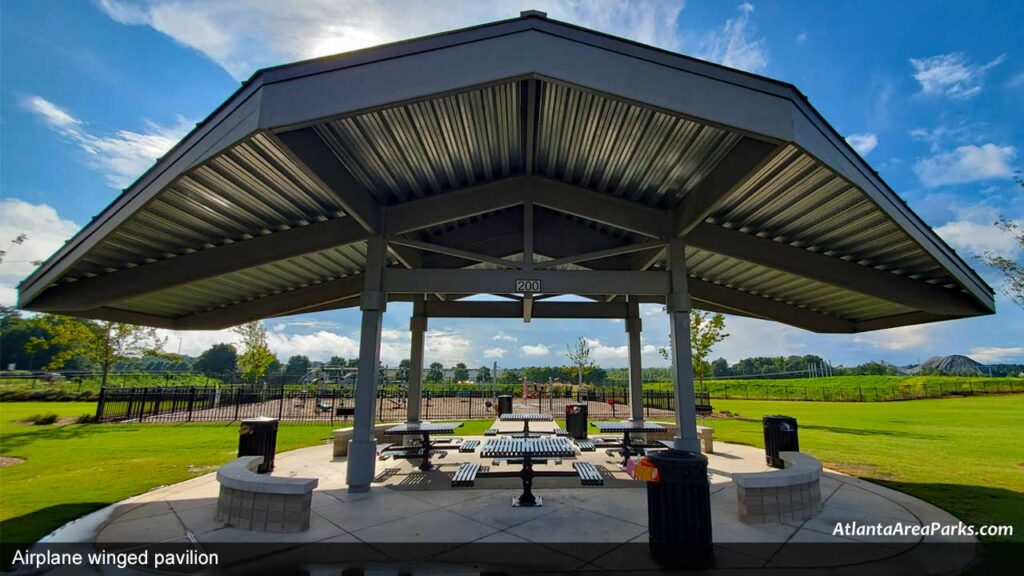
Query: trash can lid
x=258 y=419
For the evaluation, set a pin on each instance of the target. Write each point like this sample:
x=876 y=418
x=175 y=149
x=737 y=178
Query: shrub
x=42 y=419
x=86 y=419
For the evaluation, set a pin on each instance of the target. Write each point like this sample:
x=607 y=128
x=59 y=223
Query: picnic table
x=529 y=451
x=628 y=446
x=423 y=429
x=525 y=418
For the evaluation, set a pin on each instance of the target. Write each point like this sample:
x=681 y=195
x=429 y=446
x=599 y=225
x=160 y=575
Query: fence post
x=191 y=401
x=893 y=391
x=99 y=404
x=142 y=406
x=747 y=386
x=237 y=390
x=860 y=390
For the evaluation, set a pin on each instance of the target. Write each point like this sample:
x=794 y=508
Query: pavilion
x=523 y=159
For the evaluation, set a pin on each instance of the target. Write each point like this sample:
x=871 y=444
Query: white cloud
x=902 y=338
x=966 y=164
x=534 y=350
x=495 y=352
x=121 y=156
x=448 y=348
x=735 y=44
x=863 y=143
x=996 y=354
x=801 y=37
x=604 y=354
x=503 y=337
x=45 y=232
x=320 y=345
x=244 y=35
x=195 y=342
x=977 y=237
x=951 y=74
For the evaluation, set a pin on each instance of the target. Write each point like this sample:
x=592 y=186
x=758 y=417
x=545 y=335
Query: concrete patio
x=407 y=506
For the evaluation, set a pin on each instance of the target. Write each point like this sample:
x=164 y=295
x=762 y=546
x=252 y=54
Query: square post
x=678 y=306
x=362 y=448
x=633 y=327
x=417 y=329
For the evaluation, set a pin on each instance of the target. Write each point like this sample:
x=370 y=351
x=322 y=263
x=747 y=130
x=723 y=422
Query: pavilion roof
x=469 y=149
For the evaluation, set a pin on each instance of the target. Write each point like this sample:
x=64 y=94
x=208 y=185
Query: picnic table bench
x=627 y=446
x=525 y=418
x=528 y=451
x=425 y=448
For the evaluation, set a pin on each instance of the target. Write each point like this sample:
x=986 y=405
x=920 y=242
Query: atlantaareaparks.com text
x=931 y=529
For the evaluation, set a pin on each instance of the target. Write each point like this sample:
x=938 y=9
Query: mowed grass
x=965 y=455
x=73 y=469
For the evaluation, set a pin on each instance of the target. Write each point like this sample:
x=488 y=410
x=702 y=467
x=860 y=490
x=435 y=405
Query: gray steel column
x=417 y=329
x=678 y=305
x=362 y=448
x=633 y=327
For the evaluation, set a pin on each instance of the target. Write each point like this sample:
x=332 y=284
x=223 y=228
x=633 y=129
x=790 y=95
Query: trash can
x=780 y=435
x=504 y=404
x=679 y=510
x=576 y=420
x=258 y=437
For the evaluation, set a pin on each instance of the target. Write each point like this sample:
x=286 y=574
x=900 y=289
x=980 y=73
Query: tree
x=298 y=365
x=218 y=359
x=483 y=374
x=720 y=368
x=99 y=342
x=436 y=373
x=256 y=357
x=16 y=333
x=461 y=373
x=1011 y=269
x=404 y=368
x=580 y=357
x=706 y=330
x=336 y=361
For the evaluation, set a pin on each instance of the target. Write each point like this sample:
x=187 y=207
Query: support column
x=362 y=448
x=633 y=327
x=678 y=306
x=417 y=332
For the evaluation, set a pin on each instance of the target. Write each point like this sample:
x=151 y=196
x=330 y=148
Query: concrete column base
x=687 y=444
x=362 y=464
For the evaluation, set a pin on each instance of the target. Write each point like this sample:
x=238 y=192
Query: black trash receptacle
x=780 y=435
x=679 y=510
x=576 y=420
x=504 y=404
x=258 y=437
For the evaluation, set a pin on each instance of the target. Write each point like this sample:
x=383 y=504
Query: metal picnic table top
x=628 y=426
x=552 y=447
x=525 y=417
x=413 y=429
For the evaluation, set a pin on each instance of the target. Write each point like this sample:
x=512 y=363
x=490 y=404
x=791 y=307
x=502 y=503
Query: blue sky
x=930 y=93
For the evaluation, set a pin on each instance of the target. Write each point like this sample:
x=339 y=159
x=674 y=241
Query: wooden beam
x=833 y=271
x=311 y=152
x=747 y=304
x=746 y=158
x=97 y=291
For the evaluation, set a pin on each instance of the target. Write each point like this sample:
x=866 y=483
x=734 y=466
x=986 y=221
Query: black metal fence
x=335 y=404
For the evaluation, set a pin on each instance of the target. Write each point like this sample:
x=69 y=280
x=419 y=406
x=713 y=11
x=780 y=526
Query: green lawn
x=962 y=454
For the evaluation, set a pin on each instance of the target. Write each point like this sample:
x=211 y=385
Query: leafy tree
x=403 y=370
x=720 y=368
x=483 y=374
x=510 y=376
x=256 y=357
x=436 y=373
x=580 y=357
x=706 y=330
x=99 y=342
x=461 y=373
x=336 y=361
x=16 y=332
x=218 y=359
x=1011 y=269
x=298 y=365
